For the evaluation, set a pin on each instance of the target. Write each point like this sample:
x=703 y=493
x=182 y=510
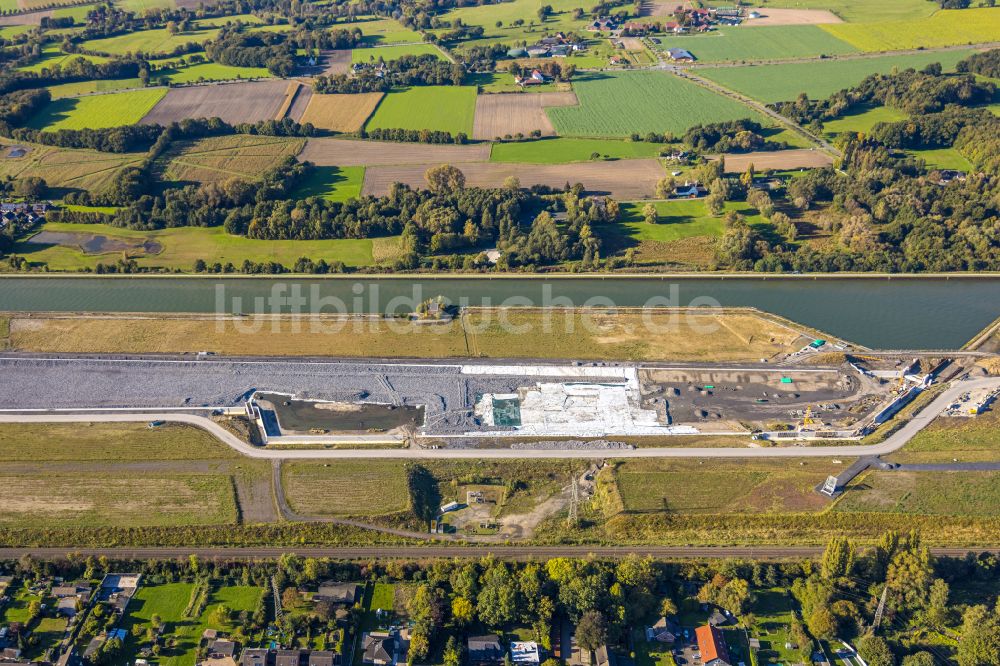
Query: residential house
x=67 y=606
x=118 y=589
x=287 y=657
x=689 y=191
x=718 y=618
x=637 y=28
x=536 y=78
x=525 y=652
x=712 y=645
x=603 y=24
x=321 y=658
x=604 y=657
x=222 y=648
x=341 y=594
x=10 y=654
x=485 y=650
x=257 y=657
x=379 y=648
x=664 y=631
x=680 y=55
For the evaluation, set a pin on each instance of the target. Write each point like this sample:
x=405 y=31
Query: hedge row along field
x=780 y=83
x=618 y=104
x=762 y=43
x=945 y=28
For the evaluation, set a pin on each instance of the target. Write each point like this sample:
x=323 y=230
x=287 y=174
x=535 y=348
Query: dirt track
x=506 y=114
x=29 y=18
x=247 y=102
x=345 y=152
x=772 y=16
x=623 y=179
x=779 y=159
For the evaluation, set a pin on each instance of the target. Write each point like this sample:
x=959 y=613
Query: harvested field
x=340 y=113
x=624 y=179
x=216 y=159
x=300 y=103
x=291 y=92
x=68 y=167
x=359 y=488
x=769 y=16
x=347 y=152
x=510 y=113
x=632 y=44
x=247 y=102
x=778 y=159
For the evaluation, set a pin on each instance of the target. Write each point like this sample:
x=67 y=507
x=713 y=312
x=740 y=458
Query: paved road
x=507 y=552
x=891 y=443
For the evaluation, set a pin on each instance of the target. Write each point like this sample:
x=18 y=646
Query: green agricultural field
x=97 y=111
x=446 y=108
x=928 y=493
x=763 y=43
x=349 y=488
x=864 y=11
x=779 y=83
x=142 y=6
x=182 y=246
x=209 y=71
x=11 y=31
x=52 y=55
x=622 y=103
x=945 y=28
x=393 y=52
x=382 y=31
x=564 y=150
x=862 y=120
x=149 y=41
x=102 y=441
x=79 y=88
x=943 y=158
x=333 y=183
x=68 y=499
x=77 y=13
x=8 y=5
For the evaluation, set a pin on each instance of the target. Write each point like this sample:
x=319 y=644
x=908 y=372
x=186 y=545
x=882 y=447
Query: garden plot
x=624 y=179
x=348 y=152
x=512 y=113
x=248 y=102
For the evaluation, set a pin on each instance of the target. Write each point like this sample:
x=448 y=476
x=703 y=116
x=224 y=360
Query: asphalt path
x=440 y=551
x=892 y=443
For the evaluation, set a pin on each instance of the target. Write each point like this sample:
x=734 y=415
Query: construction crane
x=807 y=418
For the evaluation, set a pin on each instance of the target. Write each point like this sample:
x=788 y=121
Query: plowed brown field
x=505 y=114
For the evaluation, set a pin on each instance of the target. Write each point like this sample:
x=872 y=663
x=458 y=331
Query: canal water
x=899 y=313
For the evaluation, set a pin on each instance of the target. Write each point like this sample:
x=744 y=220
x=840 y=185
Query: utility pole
x=880 y=610
x=573 y=518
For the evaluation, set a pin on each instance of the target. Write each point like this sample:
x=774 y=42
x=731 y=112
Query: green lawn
x=563 y=150
x=967 y=439
x=778 y=83
x=333 y=183
x=763 y=43
x=383 y=597
x=862 y=120
x=675 y=220
x=618 y=104
x=16 y=610
x=149 y=41
x=445 y=108
x=49 y=631
x=944 y=28
x=11 y=31
x=943 y=158
x=773 y=612
x=393 y=52
x=181 y=246
x=169 y=602
x=864 y=11
x=97 y=111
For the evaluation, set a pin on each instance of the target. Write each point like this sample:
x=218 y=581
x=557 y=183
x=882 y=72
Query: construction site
x=459 y=404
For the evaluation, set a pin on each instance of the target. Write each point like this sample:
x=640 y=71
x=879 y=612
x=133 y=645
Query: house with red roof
x=712 y=645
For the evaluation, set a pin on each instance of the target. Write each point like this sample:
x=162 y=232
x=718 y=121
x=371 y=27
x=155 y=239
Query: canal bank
x=897 y=313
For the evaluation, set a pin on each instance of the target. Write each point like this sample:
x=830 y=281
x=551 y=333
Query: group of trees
x=407 y=70
x=734 y=136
